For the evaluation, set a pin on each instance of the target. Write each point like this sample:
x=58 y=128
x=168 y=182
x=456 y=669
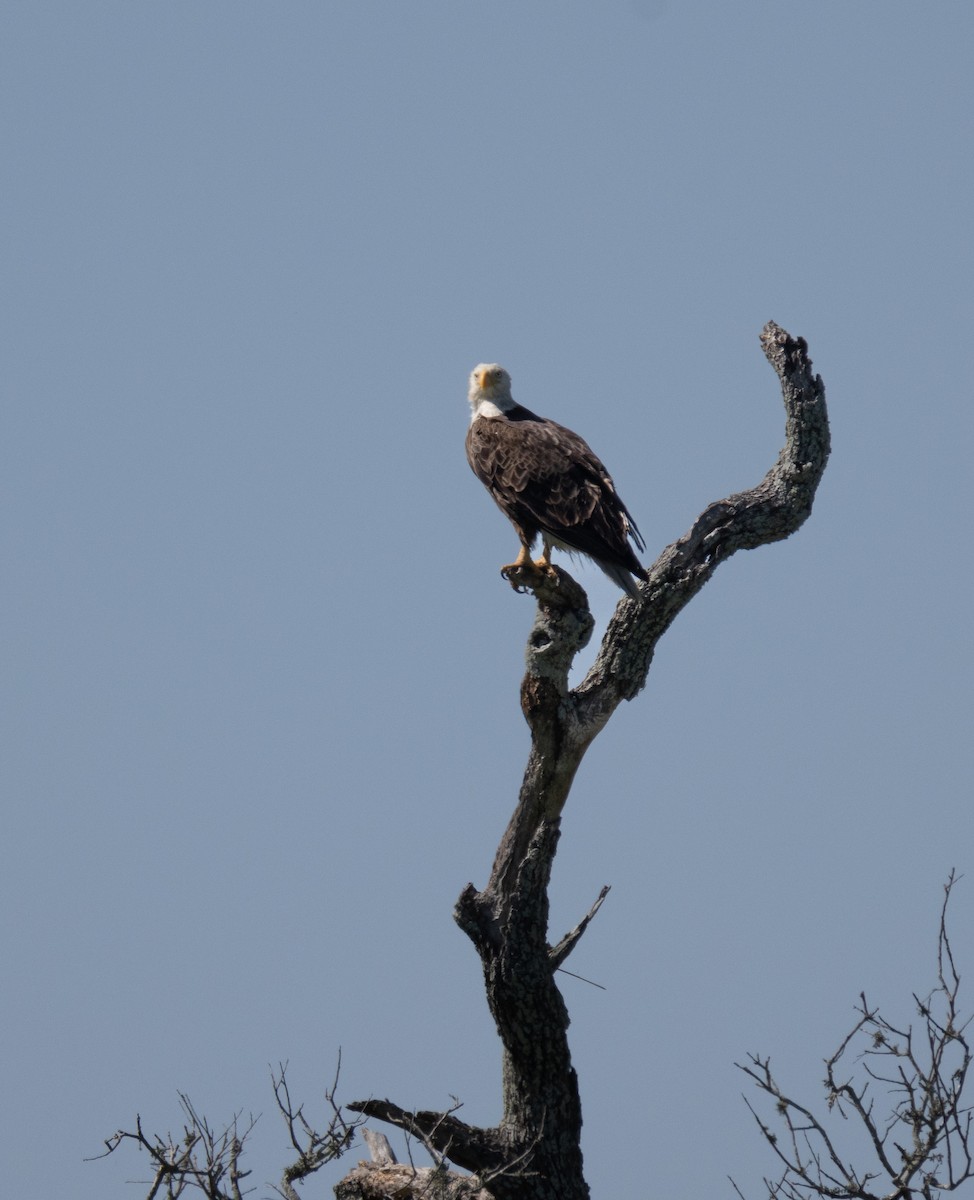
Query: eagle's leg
x=544 y=562
x=523 y=559
x=523 y=571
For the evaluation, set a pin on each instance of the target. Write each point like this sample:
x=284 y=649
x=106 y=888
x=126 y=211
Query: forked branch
x=534 y=1152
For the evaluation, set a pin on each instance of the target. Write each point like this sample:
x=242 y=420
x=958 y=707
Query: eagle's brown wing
x=545 y=477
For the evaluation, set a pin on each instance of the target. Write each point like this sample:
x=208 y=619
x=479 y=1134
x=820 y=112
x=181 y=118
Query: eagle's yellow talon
x=525 y=574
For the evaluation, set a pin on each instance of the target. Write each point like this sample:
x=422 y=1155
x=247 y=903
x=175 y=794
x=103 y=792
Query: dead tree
x=534 y=1152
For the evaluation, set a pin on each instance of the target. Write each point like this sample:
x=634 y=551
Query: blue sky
x=259 y=670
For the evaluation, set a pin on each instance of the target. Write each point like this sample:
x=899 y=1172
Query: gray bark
x=534 y=1153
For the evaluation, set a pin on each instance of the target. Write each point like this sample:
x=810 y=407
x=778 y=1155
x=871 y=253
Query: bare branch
x=922 y=1146
x=314 y=1148
x=201 y=1159
x=772 y=510
x=208 y=1162
x=559 y=953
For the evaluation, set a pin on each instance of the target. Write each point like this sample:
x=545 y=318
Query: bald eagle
x=546 y=480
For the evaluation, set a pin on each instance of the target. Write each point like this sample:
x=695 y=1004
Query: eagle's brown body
x=547 y=480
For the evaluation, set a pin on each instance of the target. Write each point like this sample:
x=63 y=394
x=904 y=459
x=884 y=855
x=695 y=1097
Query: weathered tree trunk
x=535 y=1152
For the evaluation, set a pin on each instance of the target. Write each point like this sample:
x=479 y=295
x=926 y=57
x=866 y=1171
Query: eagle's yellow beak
x=487 y=379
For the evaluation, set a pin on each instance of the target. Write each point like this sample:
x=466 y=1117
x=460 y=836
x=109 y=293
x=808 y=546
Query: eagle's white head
x=490 y=391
